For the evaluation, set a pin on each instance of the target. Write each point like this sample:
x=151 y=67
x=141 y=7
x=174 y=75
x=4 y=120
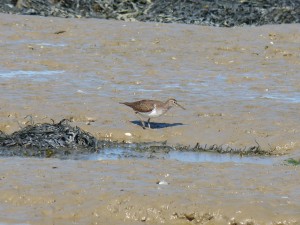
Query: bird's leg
x=140 y=119
x=149 y=123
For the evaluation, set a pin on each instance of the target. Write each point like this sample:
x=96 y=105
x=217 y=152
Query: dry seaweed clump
x=46 y=139
x=61 y=140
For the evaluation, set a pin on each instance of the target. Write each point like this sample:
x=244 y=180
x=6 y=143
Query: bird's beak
x=179 y=105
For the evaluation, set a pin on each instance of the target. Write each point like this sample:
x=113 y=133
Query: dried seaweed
x=223 y=149
x=47 y=135
x=63 y=140
x=46 y=140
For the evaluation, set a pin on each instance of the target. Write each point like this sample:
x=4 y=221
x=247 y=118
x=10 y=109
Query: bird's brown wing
x=141 y=106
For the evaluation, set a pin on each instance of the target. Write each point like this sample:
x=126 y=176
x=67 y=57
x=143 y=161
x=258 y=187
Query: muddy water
x=240 y=86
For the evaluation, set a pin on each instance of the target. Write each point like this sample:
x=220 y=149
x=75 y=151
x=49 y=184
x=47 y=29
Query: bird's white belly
x=153 y=113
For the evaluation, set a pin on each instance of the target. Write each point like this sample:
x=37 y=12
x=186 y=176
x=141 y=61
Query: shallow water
x=182 y=156
x=34 y=76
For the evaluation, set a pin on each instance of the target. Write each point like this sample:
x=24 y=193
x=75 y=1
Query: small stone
x=90 y=119
x=60 y=32
x=162 y=182
x=190 y=216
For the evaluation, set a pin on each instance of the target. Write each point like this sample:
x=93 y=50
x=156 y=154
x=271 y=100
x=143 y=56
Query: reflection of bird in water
x=151 y=108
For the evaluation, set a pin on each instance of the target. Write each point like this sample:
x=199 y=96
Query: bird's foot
x=149 y=123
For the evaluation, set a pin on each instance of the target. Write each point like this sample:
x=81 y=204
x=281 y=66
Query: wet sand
x=240 y=86
x=49 y=191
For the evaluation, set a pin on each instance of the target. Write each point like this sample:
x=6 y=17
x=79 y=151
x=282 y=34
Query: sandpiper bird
x=151 y=108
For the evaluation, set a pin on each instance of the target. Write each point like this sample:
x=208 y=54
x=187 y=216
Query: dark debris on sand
x=61 y=140
x=252 y=150
x=225 y=13
x=47 y=140
x=48 y=135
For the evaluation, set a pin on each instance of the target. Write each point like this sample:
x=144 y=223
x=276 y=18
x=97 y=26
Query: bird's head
x=173 y=102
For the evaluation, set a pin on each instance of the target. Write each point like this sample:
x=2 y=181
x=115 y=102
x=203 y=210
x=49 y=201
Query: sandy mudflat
x=49 y=191
x=240 y=86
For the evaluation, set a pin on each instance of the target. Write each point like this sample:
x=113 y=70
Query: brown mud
x=49 y=191
x=240 y=87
